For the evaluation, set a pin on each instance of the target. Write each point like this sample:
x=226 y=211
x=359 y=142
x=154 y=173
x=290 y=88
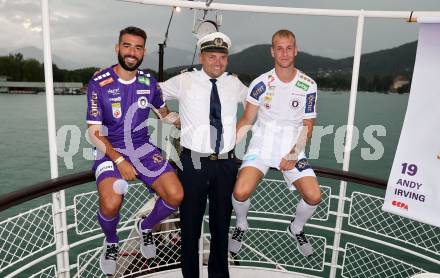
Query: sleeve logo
x=258 y=90
x=310 y=103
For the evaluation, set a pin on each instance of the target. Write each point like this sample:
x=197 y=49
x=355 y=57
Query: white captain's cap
x=214 y=42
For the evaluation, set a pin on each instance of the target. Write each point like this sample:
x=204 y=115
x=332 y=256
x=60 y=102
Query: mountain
x=31 y=52
x=255 y=60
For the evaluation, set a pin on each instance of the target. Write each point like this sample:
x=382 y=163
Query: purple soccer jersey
x=123 y=106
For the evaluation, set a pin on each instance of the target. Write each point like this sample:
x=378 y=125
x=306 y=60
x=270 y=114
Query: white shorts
x=302 y=168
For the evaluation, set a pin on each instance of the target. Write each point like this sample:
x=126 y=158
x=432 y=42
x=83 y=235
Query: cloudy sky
x=85 y=31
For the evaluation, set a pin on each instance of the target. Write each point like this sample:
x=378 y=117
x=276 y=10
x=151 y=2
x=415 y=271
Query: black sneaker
x=108 y=258
x=147 y=246
x=236 y=239
x=304 y=247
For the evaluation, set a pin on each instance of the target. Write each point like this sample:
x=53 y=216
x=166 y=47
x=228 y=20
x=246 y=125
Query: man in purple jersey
x=119 y=100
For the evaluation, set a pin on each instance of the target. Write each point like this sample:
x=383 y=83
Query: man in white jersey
x=285 y=101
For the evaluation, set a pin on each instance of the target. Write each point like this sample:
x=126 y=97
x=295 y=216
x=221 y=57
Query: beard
x=127 y=67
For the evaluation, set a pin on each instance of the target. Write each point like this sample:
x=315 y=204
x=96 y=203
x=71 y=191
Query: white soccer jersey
x=282 y=109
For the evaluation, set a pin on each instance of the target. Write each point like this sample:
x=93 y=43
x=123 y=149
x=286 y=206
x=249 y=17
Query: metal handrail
x=50 y=186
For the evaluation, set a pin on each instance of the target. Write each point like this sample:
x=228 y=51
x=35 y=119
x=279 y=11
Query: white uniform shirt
x=193 y=91
x=282 y=109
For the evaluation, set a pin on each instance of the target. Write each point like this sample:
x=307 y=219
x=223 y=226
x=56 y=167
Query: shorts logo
x=104 y=167
x=116 y=110
x=157 y=158
x=310 y=102
x=302 y=85
x=143 y=102
x=258 y=90
x=294 y=103
x=144 y=80
x=302 y=164
x=143 y=92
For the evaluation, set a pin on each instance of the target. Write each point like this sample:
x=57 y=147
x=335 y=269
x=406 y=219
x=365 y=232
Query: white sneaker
x=304 y=247
x=235 y=241
x=108 y=258
x=147 y=246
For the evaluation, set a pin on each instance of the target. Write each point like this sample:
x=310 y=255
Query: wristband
x=119 y=160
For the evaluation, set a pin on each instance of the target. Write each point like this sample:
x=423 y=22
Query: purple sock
x=108 y=226
x=160 y=211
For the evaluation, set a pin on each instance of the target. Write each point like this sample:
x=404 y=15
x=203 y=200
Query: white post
x=59 y=205
x=348 y=143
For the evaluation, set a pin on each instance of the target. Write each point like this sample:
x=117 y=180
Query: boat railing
x=373 y=243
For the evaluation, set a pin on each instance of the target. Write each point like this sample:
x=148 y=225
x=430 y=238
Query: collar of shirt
x=203 y=75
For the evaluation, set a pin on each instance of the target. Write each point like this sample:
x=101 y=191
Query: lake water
x=24 y=145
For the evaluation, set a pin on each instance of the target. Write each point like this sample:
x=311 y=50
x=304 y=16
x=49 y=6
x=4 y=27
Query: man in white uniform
x=208 y=101
x=285 y=101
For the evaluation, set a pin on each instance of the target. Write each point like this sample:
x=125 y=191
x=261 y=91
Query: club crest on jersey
x=144 y=80
x=116 y=110
x=310 y=102
x=267 y=100
x=302 y=164
x=258 y=90
x=142 y=102
x=294 y=103
x=302 y=85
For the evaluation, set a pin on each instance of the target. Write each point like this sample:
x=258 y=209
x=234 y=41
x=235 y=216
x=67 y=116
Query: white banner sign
x=414 y=184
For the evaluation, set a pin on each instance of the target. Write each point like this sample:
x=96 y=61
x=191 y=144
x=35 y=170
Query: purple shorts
x=148 y=167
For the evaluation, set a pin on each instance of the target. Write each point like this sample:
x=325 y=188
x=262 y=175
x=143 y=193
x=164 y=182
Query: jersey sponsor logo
x=258 y=90
x=94 y=104
x=113 y=92
x=106 y=82
x=104 y=167
x=116 y=110
x=142 y=102
x=302 y=85
x=302 y=164
x=144 y=80
x=115 y=99
x=143 y=92
x=310 y=102
x=294 y=103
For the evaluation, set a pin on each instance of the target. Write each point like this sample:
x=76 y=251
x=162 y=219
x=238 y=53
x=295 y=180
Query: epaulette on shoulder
x=233 y=74
x=187 y=70
x=103 y=78
x=306 y=78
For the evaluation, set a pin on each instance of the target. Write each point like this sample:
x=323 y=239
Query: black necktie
x=215 y=118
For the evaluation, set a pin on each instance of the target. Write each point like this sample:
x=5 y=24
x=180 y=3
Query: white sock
x=303 y=213
x=241 y=210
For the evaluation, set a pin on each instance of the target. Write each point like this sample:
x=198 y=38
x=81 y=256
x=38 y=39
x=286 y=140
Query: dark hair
x=131 y=30
x=284 y=34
